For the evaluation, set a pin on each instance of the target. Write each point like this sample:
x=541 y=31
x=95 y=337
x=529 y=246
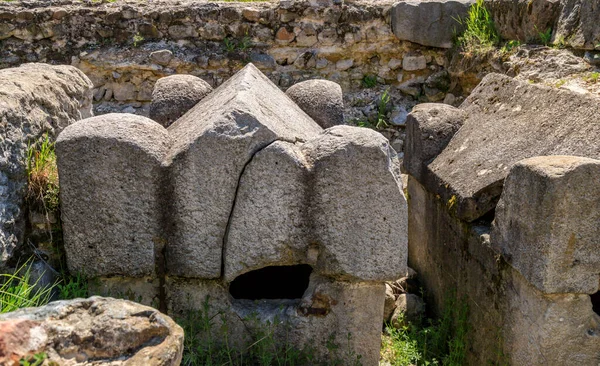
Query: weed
x=137 y=40
x=480 y=33
x=545 y=36
x=241 y=45
x=17 y=291
x=35 y=360
x=230 y=45
x=42 y=176
x=369 y=81
x=510 y=46
x=592 y=77
x=440 y=342
x=73 y=287
x=382 y=110
x=560 y=83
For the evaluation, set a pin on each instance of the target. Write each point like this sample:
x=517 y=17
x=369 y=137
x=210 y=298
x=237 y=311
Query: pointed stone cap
x=213 y=143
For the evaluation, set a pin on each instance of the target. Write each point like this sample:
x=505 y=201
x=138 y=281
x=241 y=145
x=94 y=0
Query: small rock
x=390 y=303
x=592 y=58
x=394 y=63
x=162 y=57
x=410 y=308
x=283 y=36
x=398 y=117
x=412 y=87
x=449 y=99
x=343 y=65
x=413 y=63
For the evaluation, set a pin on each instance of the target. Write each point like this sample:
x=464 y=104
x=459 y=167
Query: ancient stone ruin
x=245 y=202
x=524 y=156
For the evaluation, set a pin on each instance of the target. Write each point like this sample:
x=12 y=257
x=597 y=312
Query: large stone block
x=269 y=220
x=213 y=143
x=359 y=213
x=524 y=20
x=430 y=22
x=110 y=178
x=309 y=204
x=547 y=223
x=34 y=99
x=578 y=24
x=507 y=121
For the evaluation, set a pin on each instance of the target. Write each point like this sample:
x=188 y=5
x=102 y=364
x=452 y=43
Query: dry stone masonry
x=504 y=208
x=242 y=191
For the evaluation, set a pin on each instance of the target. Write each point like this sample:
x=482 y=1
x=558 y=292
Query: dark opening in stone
x=276 y=282
x=596 y=302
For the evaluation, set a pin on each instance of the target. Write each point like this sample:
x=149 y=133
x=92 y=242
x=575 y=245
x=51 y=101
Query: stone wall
x=125 y=46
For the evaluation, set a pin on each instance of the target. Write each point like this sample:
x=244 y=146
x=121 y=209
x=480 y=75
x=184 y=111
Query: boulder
x=429 y=23
x=410 y=308
x=507 y=121
x=110 y=177
x=578 y=24
x=174 y=95
x=322 y=100
x=94 y=330
x=389 y=304
x=565 y=192
x=524 y=20
x=35 y=99
x=226 y=129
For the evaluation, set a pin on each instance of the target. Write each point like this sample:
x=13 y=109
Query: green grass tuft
x=42 y=176
x=17 y=291
x=438 y=342
x=480 y=35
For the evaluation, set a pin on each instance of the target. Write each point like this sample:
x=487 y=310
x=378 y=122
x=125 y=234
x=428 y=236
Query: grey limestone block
x=359 y=213
x=320 y=99
x=110 y=171
x=507 y=121
x=547 y=223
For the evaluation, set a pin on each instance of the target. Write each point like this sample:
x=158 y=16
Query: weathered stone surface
x=578 y=24
x=546 y=223
x=289 y=208
x=524 y=20
x=242 y=116
x=429 y=23
x=174 y=95
x=329 y=311
x=508 y=121
x=94 y=330
x=361 y=233
x=322 y=100
x=34 y=99
x=534 y=328
x=268 y=223
x=389 y=305
x=110 y=176
x=429 y=129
